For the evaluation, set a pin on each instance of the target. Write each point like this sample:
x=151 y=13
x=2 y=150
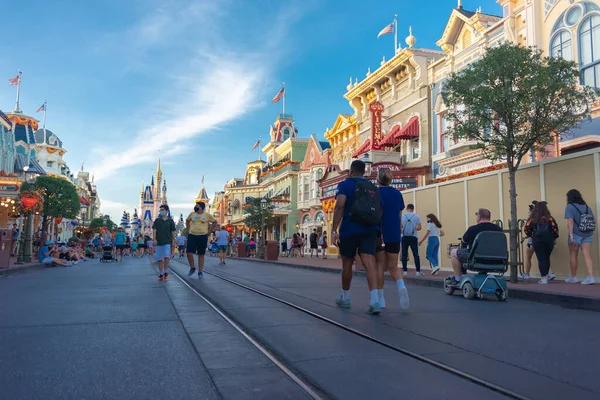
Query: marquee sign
x=376 y=109
x=329 y=191
x=9 y=188
x=401 y=183
x=394 y=167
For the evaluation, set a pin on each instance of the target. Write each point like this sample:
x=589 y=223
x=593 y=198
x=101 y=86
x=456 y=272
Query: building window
x=285 y=134
x=306 y=191
x=443 y=126
x=49 y=164
x=562 y=46
x=466 y=39
x=415 y=150
x=589 y=50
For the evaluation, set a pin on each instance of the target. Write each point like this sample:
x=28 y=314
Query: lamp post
x=368 y=164
x=263 y=207
x=83 y=212
x=25 y=250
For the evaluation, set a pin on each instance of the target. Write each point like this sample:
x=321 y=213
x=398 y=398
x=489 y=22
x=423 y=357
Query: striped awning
x=409 y=131
x=362 y=149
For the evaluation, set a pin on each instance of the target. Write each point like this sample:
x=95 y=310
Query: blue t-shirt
x=390 y=220
x=43 y=252
x=120 y=238
x=223 y=238
x=349 y=226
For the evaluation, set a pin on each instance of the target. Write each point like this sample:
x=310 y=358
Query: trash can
x=241 y=250
x=5 y=247
x=272 y=250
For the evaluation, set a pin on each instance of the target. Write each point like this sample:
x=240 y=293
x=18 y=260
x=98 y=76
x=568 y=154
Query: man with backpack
x=358 y=208
x=410 y=225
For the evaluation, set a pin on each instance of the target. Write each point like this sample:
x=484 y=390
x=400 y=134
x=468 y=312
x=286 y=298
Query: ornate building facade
x=312 y=169
x=151 y=198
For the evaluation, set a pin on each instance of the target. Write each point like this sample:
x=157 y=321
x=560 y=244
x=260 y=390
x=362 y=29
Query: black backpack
x=366 y=203
x=587 y=222
x=543 y=232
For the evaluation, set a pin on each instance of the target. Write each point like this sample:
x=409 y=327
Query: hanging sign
x=376 y=109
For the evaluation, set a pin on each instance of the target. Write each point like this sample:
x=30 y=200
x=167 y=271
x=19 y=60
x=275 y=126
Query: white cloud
x=112 y=208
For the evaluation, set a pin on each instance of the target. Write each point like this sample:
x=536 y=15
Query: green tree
x=511 y=102
x=98 y=223
x=60 y=199
x=256 y=214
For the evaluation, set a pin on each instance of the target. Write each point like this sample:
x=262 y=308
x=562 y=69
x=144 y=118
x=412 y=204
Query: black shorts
x=364 y=243
x=197 y=244
x=120 y=246
x=391 y=248
x=181 y=248
x=141 y=246
x=313 y=245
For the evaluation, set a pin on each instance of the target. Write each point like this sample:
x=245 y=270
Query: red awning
x=391 y=140
x=410 y=130
x=362 y=149
x=83 y=200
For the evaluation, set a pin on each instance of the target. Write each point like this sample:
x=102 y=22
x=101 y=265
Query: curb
x=558 y=299
x=15 y=269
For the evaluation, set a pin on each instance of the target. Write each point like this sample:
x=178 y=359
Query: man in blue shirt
x=354 y=237
x=120 y=238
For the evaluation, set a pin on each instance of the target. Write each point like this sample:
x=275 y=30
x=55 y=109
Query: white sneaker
x=405 y=273
x=543 y=281
x=420 y=273
x=435 y=270
x=551 y=276
x=572 y=279
x=382 y=302
x=403 y=296
x=523 y=276
x=588 y=281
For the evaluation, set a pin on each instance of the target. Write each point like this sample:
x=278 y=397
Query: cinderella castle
x=152 y=196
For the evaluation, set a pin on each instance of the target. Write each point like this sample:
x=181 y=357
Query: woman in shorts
x=141 y=245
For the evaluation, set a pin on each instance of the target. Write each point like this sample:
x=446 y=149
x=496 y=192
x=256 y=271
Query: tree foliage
x=511 y=102
x=98 y=223
x=60 y=197
x=256 y=215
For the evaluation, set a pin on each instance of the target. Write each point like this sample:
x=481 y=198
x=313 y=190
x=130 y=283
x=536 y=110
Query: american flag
x=15 y=81
x=279 y=95
x=388 y=29
x=42 y=108
x=257 y=142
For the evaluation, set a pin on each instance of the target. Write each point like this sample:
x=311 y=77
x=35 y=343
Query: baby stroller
x=107 y=254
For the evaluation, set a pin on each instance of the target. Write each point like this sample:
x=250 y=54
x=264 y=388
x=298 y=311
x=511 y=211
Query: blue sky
x=125 y=79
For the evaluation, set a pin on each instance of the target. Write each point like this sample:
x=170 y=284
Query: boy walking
x=411 y=223
x=163 y=231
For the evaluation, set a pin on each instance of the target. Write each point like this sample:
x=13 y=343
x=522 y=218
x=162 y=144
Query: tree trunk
x=513 y=225
x=44 y=228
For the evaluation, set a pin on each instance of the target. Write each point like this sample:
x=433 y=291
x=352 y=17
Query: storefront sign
x=401 y=183
x=9 y=190
x=376 y=109
x=459 y=169
x=329 y=191
x=394 y=167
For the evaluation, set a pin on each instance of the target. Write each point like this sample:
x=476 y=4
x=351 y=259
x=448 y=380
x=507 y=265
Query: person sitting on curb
x=461 y=255
x=46 y=258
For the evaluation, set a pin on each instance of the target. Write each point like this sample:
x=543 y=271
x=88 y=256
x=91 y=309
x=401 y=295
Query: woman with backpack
x=582 y=224
x=543 y=231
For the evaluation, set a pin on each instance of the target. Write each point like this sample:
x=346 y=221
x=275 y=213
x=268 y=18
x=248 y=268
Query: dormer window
x=285 y=134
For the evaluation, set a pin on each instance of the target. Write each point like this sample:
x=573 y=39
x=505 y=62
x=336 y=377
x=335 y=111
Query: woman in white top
x=434 y=231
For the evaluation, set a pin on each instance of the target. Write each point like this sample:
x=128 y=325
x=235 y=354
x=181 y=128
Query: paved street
x=99 y=331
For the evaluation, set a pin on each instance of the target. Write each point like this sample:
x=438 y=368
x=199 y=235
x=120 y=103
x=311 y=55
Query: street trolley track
x=456 y=372
x=306 y=387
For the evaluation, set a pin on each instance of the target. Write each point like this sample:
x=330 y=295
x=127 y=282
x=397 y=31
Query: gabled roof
x=342 y=122
x=458 y=18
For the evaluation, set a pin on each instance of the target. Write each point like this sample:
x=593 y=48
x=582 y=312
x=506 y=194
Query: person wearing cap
x=45 y=258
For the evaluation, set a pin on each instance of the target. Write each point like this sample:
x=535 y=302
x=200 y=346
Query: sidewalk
x=15 y=268
x=557 y=292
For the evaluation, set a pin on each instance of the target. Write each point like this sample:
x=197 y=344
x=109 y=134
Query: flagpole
x=395 y=34
x=45 y=107
x=284 y=97
x=258 y=148
x=17 y=110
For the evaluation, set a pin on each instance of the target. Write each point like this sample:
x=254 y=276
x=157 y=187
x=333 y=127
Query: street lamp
x=263 y=207
x=368 y=164
x=84 y=208
x=25 y=248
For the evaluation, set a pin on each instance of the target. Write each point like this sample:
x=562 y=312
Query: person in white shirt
x=434 y=231
x=410 y=224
